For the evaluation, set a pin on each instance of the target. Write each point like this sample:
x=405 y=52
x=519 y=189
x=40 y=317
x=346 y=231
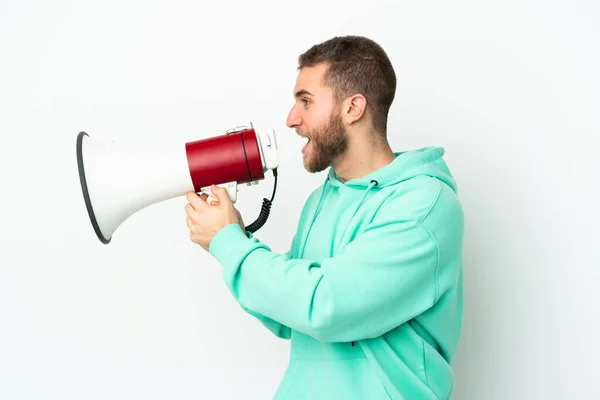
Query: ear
x=354 y=107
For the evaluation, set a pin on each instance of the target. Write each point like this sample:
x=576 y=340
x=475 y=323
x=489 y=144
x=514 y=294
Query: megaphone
x=117 y=183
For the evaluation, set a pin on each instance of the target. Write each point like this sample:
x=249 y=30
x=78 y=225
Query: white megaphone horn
x=118 y=183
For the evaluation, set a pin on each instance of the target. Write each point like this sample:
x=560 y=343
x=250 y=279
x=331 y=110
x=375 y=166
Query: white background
x=510 y=89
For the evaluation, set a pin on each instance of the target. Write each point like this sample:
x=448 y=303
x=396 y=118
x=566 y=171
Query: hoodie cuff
x=230 y=245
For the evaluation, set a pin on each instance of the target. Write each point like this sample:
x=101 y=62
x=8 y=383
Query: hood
x=409 y=164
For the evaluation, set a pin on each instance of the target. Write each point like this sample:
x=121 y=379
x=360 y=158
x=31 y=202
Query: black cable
x=265 y=209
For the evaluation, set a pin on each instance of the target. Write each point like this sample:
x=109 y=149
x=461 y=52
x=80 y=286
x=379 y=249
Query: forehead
x=311 y=79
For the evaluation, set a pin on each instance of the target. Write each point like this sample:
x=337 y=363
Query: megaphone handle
x=231 y=190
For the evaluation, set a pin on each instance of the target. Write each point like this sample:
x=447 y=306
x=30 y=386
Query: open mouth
x=306 y=145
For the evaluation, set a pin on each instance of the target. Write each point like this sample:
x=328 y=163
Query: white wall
x=509 y=88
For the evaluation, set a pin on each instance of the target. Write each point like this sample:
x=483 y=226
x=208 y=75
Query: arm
x=385 y=277
x=275 y=327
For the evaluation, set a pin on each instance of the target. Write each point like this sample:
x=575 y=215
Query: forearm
x=348 y=297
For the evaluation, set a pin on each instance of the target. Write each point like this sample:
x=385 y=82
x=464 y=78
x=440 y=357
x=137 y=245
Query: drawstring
x=372 y=184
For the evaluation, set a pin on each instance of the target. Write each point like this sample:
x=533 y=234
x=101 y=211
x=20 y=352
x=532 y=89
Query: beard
x=326 y=144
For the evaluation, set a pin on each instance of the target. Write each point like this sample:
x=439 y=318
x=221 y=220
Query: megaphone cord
x=265 y=208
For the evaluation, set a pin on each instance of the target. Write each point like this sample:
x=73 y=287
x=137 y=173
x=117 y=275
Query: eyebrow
x=303 y=92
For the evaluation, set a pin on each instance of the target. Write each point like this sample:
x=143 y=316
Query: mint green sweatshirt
x=371 y=291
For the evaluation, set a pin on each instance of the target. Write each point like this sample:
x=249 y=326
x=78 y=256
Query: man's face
x=316 y=117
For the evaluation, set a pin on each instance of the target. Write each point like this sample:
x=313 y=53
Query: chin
x=313 y=169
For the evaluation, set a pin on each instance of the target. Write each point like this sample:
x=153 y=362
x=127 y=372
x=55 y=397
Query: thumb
x=221 y=193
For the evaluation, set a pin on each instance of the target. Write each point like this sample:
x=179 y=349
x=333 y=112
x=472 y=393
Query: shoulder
x=422 y=199
x=425 y=203
x=414 y=198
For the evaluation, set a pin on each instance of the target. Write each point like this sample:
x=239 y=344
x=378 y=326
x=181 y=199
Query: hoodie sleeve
x=386 y=276
x=275 y=327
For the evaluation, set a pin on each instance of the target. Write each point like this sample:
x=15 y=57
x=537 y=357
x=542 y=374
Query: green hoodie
x=371 y=291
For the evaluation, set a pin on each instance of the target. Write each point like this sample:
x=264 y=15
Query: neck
x=362 y=158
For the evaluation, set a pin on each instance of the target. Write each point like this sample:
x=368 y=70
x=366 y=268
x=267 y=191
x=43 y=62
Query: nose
x=293 y=119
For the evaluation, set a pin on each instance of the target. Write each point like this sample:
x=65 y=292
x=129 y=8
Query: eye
x=305 y=101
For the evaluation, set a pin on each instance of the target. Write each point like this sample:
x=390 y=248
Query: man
x=371 y=291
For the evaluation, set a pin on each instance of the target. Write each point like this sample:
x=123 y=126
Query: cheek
x=317 y=121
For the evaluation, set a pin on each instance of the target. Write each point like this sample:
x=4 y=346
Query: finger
x=221 y=194
x=191 y=211
x=196 y=201
x=214 y=203
x=188 y=222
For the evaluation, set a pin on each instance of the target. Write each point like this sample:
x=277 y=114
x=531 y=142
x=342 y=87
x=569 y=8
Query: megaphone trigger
x=231 y=188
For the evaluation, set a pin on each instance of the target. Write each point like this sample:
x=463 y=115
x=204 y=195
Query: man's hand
x=206 y=219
